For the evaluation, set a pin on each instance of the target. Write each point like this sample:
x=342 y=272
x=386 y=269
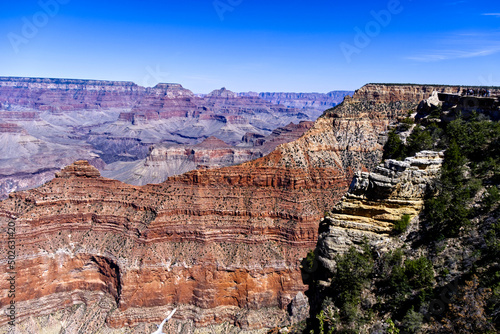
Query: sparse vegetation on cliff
x=401 y=225
x=420 y=139
x=446 y=276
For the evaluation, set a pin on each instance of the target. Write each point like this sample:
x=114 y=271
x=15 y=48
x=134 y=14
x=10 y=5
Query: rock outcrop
x=81 y=169
x=465 y=106
x=390 y=93
x=168 y=160
x=375 y=201
x=282 y=135
x=222 y=245
x=221 y=93
x=430 y=104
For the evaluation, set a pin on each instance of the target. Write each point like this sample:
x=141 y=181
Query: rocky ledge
x=375 y=201
x=81 y=168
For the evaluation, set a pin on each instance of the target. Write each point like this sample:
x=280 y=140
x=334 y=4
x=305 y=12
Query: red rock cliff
x=221 y=245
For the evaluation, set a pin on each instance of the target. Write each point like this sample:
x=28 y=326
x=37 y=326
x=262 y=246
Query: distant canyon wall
x=318 y=101
x=168 y=160
x=46 y=124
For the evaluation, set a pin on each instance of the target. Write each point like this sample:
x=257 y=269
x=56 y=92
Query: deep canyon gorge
x=223 y=245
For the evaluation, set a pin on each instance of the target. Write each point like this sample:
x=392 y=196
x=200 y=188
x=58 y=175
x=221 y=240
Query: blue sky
x=253 y=45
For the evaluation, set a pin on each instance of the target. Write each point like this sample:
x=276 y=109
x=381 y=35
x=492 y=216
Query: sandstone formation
x=375 y=201
x=152 y=247
x=80 y=169
x=224 y=245
x=167 y=160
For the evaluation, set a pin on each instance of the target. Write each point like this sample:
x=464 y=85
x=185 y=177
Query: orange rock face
x=79 y=169
x=221 y=245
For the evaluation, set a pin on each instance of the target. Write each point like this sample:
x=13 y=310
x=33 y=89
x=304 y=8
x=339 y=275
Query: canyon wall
x=44 y=94
x=317 y=101
x=46 y=124
x=224 y=245
x=167 y=160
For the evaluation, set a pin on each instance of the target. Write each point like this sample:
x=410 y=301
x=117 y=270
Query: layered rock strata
x=44 y=94
x=221 y=245
x=282 y=135
x=375 y=201
x=390 y=93
x=171 y=113
x=167 y=160
x=57 y=121
x=317 y=101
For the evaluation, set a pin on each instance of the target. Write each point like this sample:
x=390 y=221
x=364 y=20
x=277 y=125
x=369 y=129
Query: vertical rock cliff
x=375 y=201
x=224 y=245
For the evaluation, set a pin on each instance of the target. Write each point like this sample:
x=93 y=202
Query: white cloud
x=460 y=45
x=492 y=14
x=454 y=54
